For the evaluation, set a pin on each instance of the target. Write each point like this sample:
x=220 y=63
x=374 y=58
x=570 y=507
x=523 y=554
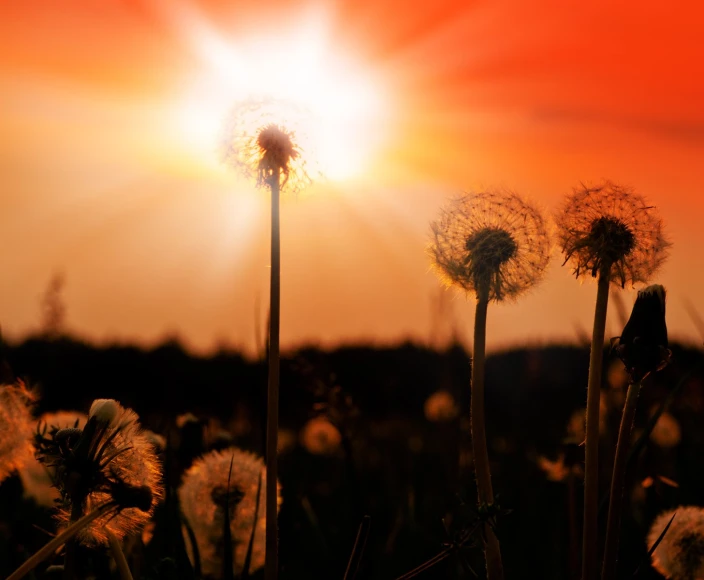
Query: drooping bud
x=104 y=411
x=643 y=344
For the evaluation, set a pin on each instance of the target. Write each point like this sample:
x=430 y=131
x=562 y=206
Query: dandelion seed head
x=610 y=228
x=493 y=242
x=680 y=554
x=440 y=407
x=320 y=437
x=16 y=428
x=111 y=459
x=202 y=496
x=263 y=138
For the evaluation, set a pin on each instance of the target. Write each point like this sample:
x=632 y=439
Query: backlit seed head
x=202 y=496
x=16 y=428
x=492 y=243
x=108 y=459
x=680 y=554
x=609 y=229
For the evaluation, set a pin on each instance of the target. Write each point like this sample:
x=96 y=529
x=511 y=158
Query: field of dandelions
x=558 y=462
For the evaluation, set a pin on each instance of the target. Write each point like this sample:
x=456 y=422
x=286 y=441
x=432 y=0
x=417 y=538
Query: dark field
x=393 y=461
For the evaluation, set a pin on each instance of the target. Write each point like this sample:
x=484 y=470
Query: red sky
x=108 y=176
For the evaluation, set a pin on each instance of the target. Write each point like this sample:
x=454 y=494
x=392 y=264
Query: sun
x=341 y=106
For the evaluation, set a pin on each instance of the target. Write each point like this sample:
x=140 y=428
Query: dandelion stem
x=118 y=556
x=52 y=545
x=70 y=555
x=494 y=566
x=590 y=564
x=613 y=526
x=271 y=568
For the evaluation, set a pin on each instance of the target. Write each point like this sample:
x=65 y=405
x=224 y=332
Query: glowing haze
x=112 y=118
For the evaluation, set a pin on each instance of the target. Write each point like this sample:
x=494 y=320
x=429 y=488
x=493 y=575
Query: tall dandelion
x=610 y=233
x=493 y=245
x=16 y=428
x=680 y=554
x=259 y=144
x=204 y=496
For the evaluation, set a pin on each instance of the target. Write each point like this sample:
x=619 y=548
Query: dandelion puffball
x=680 y=554
x=610 y=229
x=440 y=407
x=16 y=428
x=203 y=496
x=320 y=437
x=492 y=243
x=89 y=466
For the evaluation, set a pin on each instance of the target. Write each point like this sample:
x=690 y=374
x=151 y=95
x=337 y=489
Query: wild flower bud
x=643 y=344
x=104 y=411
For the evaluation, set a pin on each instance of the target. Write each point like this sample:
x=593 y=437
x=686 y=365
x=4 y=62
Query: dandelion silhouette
x=495 y=246
x=610 y=233
x=263 y=135
x=202 y=496
x=609 y=230
x=680 y=554
x=259 y=142
x=16 y=428
x=93 y=465
x=492 y=243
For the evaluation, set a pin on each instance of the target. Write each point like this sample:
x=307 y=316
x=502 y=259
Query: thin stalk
x=70 y=556
x=117 y=555
x=55 y=543
x=271 y=567
x=608 y=571
x=590 y=551
x=494 y=566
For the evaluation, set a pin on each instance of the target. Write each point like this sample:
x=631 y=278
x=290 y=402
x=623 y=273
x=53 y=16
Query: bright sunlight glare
x=346 y=107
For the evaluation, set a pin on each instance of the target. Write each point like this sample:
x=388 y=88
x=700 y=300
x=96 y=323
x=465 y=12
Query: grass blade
x=655 y=545
x=250 y=548
x=360 y=543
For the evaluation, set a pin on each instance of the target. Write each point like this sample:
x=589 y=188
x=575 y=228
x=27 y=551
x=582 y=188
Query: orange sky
x=108 y=174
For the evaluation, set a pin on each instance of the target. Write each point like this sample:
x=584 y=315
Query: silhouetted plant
x=259 y=144
x=610 y=233
x=643 y=348
x=495 y=246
